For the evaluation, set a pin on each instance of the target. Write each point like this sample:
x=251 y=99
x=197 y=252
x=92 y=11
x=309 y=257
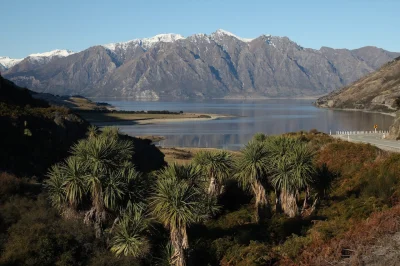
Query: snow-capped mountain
x=145 y=43
x=223 y=33
x=8 y=62
x=40 y=57
x=58 y=53
x=220 y=64
x=36 y=59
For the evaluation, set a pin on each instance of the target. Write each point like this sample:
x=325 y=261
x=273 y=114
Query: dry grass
x=353 y=243
x=185 y=155
x=79 y=103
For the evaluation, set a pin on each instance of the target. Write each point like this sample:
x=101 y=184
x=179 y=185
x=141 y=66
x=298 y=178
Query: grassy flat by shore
x=185 y=155
x=145 y=118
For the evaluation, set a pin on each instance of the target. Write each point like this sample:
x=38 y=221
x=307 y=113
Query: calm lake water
x=266 y=116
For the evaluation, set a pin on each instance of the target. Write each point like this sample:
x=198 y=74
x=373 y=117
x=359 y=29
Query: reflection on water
x=267 y=116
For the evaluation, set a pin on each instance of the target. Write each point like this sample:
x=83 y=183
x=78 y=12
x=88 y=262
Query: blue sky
x=31 y=26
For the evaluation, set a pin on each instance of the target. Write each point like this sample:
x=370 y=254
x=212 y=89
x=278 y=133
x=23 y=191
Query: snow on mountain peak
x=8 y=62
x=220 y=33
x=57 y=53
x=146 y=43
x=170 y=37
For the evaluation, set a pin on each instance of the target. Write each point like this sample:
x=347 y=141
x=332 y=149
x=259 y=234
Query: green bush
x=294 y=244
x=255 y=254
x=9 y=186
x=39 y=237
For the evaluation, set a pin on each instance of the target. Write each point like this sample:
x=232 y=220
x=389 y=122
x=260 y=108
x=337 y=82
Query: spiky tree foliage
x=164 y=258
x=291 y=171
x=279 y=147
x=55 y=186
x=102 y=155
x=177 y=202
x=322 y=181
x=252 y=173
x=98 y=170
x=259 y=137
x=92 y=132
x=110 y=132
x=129 y=234
x=217 y=166
x=75 y=174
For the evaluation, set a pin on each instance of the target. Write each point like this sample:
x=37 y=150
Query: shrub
x=294 y=244
x=243 y=216
x=255 y=254
x=40 y=237
x=9 y=185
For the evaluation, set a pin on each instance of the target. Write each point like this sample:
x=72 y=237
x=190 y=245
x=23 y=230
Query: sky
x=33 y=26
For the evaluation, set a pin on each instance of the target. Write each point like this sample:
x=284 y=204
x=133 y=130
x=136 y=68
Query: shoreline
x=186 y=119
x=270 y=98
x=171 y=120
x=117 y=119
x=213 y=98
x=358 y=110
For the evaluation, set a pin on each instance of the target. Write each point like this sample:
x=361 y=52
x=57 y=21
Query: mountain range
x=199 y=66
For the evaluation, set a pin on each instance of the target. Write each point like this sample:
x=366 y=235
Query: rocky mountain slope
x=200 y=66
x=379 y=90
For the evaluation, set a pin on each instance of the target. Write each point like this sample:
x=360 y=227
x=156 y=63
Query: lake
x=274 y=116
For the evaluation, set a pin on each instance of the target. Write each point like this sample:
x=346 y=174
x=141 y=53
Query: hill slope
x=376 y=91
x=33 y=134
x=201 y=66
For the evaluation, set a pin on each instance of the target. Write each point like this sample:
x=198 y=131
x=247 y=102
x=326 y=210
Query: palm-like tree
x=291 y=171
x=110 y=132
x=178 y=202
x=278 y=148
x=55 y=186
x=259 y=137
x=75 y=175
x=92 y=132
x=102 y=155
x=97 y=170
x=217 y=166
x=129 y=235
x=252 y=173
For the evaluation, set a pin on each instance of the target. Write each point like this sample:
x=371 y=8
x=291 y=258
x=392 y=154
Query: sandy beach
x=118 y=118
x=196 y=117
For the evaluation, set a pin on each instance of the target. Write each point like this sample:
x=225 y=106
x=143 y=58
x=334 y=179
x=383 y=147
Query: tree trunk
x=180 y=243
x=262 y=205
x=278 y=204
x=213 y=189
x=307 y=195
x=289 y=203
x=68 y=213
x=99 y=215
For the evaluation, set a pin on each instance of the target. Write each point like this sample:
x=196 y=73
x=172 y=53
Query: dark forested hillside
x=33 y=134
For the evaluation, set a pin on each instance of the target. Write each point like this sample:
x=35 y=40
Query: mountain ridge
x=200 y=66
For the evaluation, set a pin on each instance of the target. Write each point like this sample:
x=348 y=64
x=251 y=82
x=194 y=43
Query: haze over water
x=273 y=116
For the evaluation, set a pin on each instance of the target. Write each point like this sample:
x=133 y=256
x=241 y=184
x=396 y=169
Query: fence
x=361 y=132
